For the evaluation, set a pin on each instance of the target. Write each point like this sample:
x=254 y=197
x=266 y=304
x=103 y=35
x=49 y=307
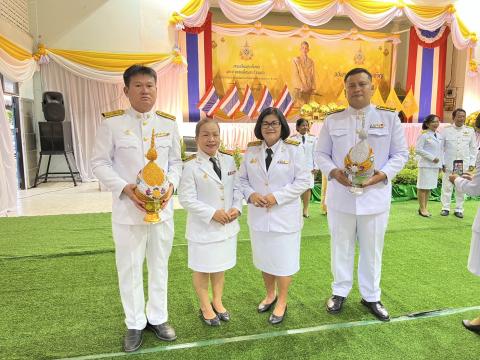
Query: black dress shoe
x=469 y=326
x=132 y=340
x=274 y=319
x=335 y=303
x=444 y=212
x=210 y=322
x=458 y=214
x=377 y=309
x=163 y=331
x=224 y=316
x=265 y=307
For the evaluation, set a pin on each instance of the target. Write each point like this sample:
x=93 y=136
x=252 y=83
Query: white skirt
x=212 y=257
x=427 y=178
x=312 y=180
x=276 y=253
x=474 y=257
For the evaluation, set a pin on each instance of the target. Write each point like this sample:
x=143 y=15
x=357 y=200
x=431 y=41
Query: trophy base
x=151 y=218
x=355 y=190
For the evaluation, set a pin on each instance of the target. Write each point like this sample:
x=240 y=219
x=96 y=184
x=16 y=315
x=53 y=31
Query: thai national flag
x=265 y=101
x=230 y=102
x=209 y=102
x=284 y=102
x=248 y=102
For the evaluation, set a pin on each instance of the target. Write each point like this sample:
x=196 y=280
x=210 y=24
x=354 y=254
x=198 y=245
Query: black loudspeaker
x=55 y=136
x=52 y=106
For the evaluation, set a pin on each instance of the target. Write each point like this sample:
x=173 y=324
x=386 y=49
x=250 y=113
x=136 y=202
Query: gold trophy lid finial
x=152 y=174
x=152 y=152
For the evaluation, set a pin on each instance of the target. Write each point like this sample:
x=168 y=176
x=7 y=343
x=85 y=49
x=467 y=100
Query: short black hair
x=300 y=122
x=458 y=110
x=138 y=69
x=430 y=118
x=355 y=71
x=202 y=122
x=285 y=133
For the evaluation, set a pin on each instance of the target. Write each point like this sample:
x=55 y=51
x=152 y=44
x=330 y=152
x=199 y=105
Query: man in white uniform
x=121 y=144
x=459 y=143
x=359 y=217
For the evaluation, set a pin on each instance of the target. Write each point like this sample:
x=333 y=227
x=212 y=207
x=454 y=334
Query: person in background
x=471 y=185
x=273 y=175
x=429 y=150
x=210 y=193
x=307 y=142
x=459 y=143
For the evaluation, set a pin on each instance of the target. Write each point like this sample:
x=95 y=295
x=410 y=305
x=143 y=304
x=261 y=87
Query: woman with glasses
x=273 y=176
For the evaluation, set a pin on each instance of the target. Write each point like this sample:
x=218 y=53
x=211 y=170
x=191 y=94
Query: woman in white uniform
x=308 y=142
x=273 y=176
x=471 y=186
x=210 y=192
x=429 y=150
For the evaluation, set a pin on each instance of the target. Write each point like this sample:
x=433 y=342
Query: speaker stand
x=45 y=176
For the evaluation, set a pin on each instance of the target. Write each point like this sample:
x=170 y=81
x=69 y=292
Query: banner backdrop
x=260 y=61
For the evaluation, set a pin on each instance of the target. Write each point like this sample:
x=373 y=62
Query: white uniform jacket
x=471 y=188
x=201 y=193
x=429 y=148
x=308 y=147
x=459 y=143
x=287 y=178
x=387 y=138
x=119 y=154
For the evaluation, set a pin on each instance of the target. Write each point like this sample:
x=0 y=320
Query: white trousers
x=132 y=244
x=369 y=230
x=446 y=197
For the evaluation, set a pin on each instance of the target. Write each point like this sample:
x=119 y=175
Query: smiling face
x=358 y=90
x=271 y=129
x=459 y=118
x=141 y=92
x=302 y=129
x=208 y=139
x=434 y=124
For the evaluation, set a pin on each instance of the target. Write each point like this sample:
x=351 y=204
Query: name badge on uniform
x=282 y=162
x=128 y=132
x=377 y=126
x=231 y=172
x=253 y=161
x=162 y=134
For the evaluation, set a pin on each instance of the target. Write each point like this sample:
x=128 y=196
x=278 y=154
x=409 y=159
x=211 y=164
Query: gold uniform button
x=221 y=198
x=139 y=116
x=221 y=187
x=145 y=139
x=148 y=116
x=266 y=184
x=145 y=123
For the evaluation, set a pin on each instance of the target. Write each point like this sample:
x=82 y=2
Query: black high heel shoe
x=274 y=319
x=424 y=215
x=265 y=307
x=224 y=316
x=210 y=322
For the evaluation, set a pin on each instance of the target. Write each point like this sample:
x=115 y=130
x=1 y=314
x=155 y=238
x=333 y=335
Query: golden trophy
x=152 y=185
x=359 y=161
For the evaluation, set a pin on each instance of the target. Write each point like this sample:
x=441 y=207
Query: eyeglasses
x=273 y=124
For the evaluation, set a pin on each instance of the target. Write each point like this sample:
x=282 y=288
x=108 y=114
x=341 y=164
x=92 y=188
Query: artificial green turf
x=59 y=295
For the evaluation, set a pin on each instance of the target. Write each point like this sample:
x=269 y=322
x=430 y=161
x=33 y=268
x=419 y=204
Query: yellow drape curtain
x=249 y=2
x=372 y=7
x=13 y=50
x=115 y=62
x=192 y=7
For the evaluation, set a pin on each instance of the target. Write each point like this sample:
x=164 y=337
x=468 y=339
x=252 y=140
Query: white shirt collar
x=205 y=156
x=138 y=115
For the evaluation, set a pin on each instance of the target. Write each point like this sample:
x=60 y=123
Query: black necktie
x=303 y=139
x=268 y=159
x=435 y=134
x=216 y=168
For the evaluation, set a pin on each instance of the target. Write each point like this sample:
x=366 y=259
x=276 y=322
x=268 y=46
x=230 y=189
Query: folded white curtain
x=86 y=99
x=8 y=166
x=16 y=70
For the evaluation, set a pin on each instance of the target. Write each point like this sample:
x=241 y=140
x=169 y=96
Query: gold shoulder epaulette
x=424 y=131
x=110 y=114
x=335 y=111
x=165 y=115
x=255 y=143
x=386 y=108
x=291 y=142
x=190 y=157
x=224 y=152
